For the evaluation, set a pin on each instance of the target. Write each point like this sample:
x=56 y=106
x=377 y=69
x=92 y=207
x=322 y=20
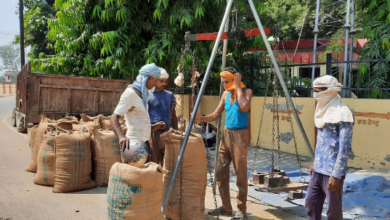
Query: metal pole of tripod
x=198 y=100
x=219 y=122
x=347 y=26
x=282 y=82
x=315 y=31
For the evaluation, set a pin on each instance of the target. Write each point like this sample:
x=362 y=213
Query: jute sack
x=105 y=153
x=86 y=118
x=69 y=119
x=105 y=123
x=42 y=127
x=73 y=164
x=195 y=128
x=194 y=176
x=135 y=193
x=33 y=135
x=46 y=159
x=91 y=125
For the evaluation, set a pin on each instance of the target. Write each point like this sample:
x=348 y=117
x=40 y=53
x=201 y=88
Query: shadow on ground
x=98 y=190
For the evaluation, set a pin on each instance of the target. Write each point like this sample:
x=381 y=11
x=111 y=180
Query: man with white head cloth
x=133 y=106
x=162 y=116
x=334 y=121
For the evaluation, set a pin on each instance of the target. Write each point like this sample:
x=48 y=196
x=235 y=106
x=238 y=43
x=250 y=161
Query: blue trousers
x=315 y=198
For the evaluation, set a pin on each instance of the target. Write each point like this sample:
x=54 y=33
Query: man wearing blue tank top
x=236 y=100
x=162 y=116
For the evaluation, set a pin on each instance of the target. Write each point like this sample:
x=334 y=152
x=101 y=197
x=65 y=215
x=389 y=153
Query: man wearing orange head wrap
x=236 y=100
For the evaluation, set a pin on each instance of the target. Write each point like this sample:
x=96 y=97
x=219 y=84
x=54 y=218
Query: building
x=10 y=77
x=296 y=52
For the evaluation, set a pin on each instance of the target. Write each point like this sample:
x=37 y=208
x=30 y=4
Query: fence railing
x=298 y=77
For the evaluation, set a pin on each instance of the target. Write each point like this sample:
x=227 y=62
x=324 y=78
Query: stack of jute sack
x=138 y=192
x=73 y=155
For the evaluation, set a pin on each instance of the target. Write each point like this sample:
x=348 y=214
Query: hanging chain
x=295 y=141
x=261 y=121
x=277 y=102
x=275 y=107
x=181 y=118
x=277 y=116
x=291 y=125
x=235 y=13
x=206 y=144
x=181 y=89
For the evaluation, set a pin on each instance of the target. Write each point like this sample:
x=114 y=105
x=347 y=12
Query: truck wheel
x=22 y=128
x=14 y=119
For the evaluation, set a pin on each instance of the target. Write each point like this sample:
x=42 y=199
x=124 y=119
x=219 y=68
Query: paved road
x=21 y=199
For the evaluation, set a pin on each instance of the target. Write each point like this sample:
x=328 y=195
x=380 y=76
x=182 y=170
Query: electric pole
x=21 y=24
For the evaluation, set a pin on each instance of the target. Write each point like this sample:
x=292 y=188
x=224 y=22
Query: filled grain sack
x=88 y=122
x=194 y=176
x=73 y=164
x=33 y=135
x=105 y=123
x=105 y=152
x=69 y=119
x=46 y=159
x=86 y=118
x=40 y=130
x=185 y=123
x=135 y=193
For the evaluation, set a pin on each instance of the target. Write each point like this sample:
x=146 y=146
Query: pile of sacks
x=73 y=155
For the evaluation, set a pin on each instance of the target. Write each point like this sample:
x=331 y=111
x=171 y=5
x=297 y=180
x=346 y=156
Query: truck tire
x=14 y=119
x=22 y=128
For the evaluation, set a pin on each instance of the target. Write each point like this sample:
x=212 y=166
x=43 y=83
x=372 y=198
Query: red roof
x=307 y=57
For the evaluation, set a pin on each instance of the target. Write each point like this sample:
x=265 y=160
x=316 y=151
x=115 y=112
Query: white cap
x=164 y=73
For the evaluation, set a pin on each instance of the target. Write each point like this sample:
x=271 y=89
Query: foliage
x=36 y=26
x=10 y=57
x=376 y=29
x=114 y=38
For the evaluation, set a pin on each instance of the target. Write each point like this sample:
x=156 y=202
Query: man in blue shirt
x=162 y=116
x=334 y=121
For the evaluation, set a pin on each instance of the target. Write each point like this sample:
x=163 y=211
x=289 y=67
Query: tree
x=114 y=38
x=376 y=28
x=36 y=26
x=10 y=57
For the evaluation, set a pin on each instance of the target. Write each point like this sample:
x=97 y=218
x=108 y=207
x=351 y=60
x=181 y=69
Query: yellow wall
x=5 y=89
x=306 y=106
x=370 y=144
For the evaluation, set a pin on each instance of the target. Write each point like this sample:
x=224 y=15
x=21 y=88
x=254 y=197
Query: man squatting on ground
x=133 y=105
x=236 y=100
x=162 y=116
x=334 y=121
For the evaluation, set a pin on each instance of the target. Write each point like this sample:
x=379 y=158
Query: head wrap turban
x=231 y=87
x=140 y=82
x=330 y=109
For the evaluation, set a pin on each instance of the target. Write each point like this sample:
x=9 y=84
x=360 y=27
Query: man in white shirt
x=133 y=106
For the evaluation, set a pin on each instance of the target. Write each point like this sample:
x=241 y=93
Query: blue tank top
x=234 y=117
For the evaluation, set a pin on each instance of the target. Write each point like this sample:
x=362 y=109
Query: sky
x=9 y=22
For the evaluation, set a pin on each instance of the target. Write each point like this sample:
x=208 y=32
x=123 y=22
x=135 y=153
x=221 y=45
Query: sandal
x=240 y=216
x=218 y=211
